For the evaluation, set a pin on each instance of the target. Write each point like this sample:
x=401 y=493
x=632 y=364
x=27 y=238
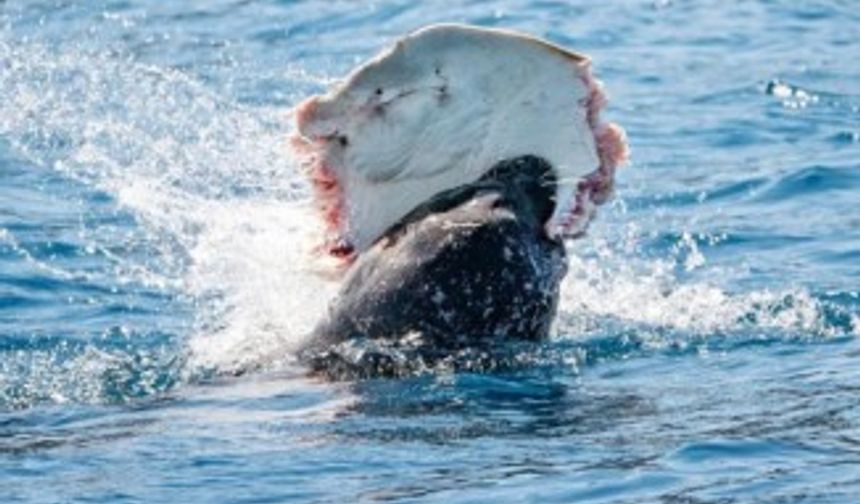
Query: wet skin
x=471 y=265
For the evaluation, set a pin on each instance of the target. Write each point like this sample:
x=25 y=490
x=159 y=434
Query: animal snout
x=305 y=113
x=313 y=123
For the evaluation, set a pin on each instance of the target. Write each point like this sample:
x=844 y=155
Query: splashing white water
x=611 y=280
x=656 y=299
x=197 y=170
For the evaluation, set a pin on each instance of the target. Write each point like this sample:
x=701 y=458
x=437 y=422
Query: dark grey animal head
x=473 y=265
x=531 y=178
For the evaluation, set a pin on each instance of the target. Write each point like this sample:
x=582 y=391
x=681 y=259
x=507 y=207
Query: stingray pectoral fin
x=438 y=109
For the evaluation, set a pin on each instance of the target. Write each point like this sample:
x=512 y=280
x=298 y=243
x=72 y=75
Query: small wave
x=812 y=181
x=58 y=371
x=793 y=97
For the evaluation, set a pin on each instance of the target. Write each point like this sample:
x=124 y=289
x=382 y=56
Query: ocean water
x=154 y=236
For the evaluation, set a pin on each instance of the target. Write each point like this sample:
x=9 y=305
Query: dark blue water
x=153 y=237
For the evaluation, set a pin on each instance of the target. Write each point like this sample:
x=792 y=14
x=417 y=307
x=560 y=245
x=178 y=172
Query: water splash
x=610 y=279
x=208 y=181
x=793 y=97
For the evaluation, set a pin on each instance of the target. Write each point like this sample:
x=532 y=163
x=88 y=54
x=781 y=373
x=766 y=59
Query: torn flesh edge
x=595 y=188
x=591 y=191
x=328 y=199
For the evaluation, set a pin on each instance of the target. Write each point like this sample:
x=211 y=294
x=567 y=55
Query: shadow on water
x=76 y=427
x=506 y=405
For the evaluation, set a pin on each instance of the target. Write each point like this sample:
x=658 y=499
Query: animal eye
x=379 y=91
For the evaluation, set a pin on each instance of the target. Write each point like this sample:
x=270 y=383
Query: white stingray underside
x=437 y=110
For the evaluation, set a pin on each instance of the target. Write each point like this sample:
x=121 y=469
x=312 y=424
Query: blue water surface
x=152 y=235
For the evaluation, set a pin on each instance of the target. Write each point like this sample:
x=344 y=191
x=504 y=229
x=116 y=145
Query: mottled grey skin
x=471 y=265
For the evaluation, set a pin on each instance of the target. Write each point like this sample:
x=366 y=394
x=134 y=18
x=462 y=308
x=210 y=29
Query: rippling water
x=153 y=238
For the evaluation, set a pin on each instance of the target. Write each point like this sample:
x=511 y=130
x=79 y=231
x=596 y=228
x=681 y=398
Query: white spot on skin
x=413 y=338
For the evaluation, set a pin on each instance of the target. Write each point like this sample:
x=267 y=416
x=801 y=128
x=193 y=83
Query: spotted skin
x=473 y=264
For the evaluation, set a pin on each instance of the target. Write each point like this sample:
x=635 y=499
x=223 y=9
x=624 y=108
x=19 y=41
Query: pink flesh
x=611 y=144
x=328 y=194
x=593 y=190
